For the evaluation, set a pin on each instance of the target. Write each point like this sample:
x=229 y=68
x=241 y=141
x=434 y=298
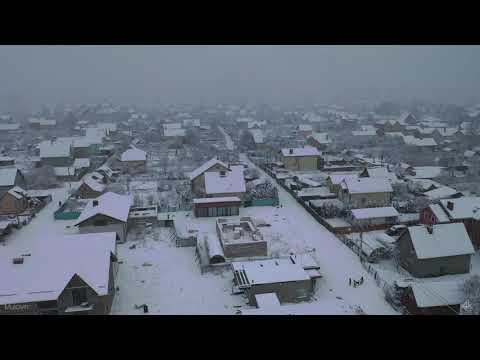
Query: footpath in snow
x=228 y=140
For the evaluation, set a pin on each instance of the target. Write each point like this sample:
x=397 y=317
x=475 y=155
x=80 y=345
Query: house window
x=79 y=296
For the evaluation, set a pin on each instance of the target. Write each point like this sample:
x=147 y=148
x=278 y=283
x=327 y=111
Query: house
x=407 y=118
x=41 y=123
x=434 y=298
x=90 y=188
x=366 y=192
x=258 y=138
x=109 y=212
x=9 y=178
x=217 y=206
x=433 y=214
x=464 y=210
x=379 y=172
x=15 y=201
x=226 y=183
x=424 y=172
x=134 y=161
x=389 y=126
x=289 y=280
x=315 y=193
x=443 y=192
x=10 y=128
x=301 y=159
x=241 y=238
x=56 y=153
x=374 y=218
x=319 y=140
x=74 y=276
x=436 y=250
x=334 y=182
x=197 y=176
x=305 y=130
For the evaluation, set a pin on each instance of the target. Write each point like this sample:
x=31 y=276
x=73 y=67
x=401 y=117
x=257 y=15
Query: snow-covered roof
x=445 y=240
x=257 y=135
x=315 y=191
x=321 y=138
x=17 y=192
x=252 y=124
x=305 y=151
x=81 y=163
x=382 y=172
x=216 y=200
x=94 y=184
x=267 y=301
x=205 y=167
x=44 y=274
x=338 y=178
x=231 y=181
x=50 y=149
x=109 y=204
x=134 y=154
x=170 y=132
x=9 y=127
x=305 y=127
x=64 y=170
x=438 y=293
x=403 y=117
x=7 y=176
x=368 y=185
x=426 y=172
x=373 y=213
x=270 y=271
x=172 y=126
x=441 y=216
x=364 y=133
x=463 y=208
x=441 y=193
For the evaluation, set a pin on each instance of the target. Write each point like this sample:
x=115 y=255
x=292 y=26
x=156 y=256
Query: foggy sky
x=148 y=74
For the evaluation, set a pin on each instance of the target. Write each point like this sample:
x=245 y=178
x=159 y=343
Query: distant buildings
x=134 y=161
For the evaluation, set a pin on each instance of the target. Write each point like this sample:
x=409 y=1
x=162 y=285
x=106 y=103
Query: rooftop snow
x=45 y=273
x=305 y=151
x=338 y=178
x=7 y=176
x=382 y=172
x=427 y=172
x=50 y=149
x=109 y=204
x=134 y=154
x=372 y=213
x=174 y=132
x=463 y=208
x=271 y=271
x=205 y=167
x=232 y=182
x=368 y=185
x=438 y=293
x=441 y=216
x=446 y=240
x=321 y=138
x=441 y=193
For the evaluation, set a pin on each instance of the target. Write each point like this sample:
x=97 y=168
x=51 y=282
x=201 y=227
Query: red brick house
x=465 y=210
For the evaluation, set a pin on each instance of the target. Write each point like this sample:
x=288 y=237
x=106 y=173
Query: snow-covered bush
x=471 y=289
x=265 y=190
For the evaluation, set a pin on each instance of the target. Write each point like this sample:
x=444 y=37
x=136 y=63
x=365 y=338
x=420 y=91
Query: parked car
x=396 y=230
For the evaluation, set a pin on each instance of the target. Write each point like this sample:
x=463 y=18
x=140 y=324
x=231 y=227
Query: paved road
x=338 y=263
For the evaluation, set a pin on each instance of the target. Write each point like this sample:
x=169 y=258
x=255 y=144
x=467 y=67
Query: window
x=79 y=296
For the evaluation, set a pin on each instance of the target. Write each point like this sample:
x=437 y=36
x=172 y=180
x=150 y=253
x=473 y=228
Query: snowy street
x=228 y=140
x=337 y=262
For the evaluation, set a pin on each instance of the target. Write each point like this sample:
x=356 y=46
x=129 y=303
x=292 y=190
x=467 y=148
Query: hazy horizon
x=209 y=74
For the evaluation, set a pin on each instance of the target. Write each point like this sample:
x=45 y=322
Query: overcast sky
x=145 y=74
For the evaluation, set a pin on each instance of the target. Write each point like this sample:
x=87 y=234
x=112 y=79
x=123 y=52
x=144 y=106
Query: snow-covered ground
x=228 y=140
x=337 y=262
x=40 y=231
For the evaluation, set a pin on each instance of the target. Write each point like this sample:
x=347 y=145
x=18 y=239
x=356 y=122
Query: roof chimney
x=450 y=205
x=430 y=229
x=95 y=202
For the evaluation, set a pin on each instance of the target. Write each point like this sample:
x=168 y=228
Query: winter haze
x=281 y=74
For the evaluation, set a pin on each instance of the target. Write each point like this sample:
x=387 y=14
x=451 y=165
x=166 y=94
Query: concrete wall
x=88 y=227
x=256 y=248
x=292 y=291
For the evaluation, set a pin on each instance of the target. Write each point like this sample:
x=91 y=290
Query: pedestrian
x=361 y=280
x=349 y=281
